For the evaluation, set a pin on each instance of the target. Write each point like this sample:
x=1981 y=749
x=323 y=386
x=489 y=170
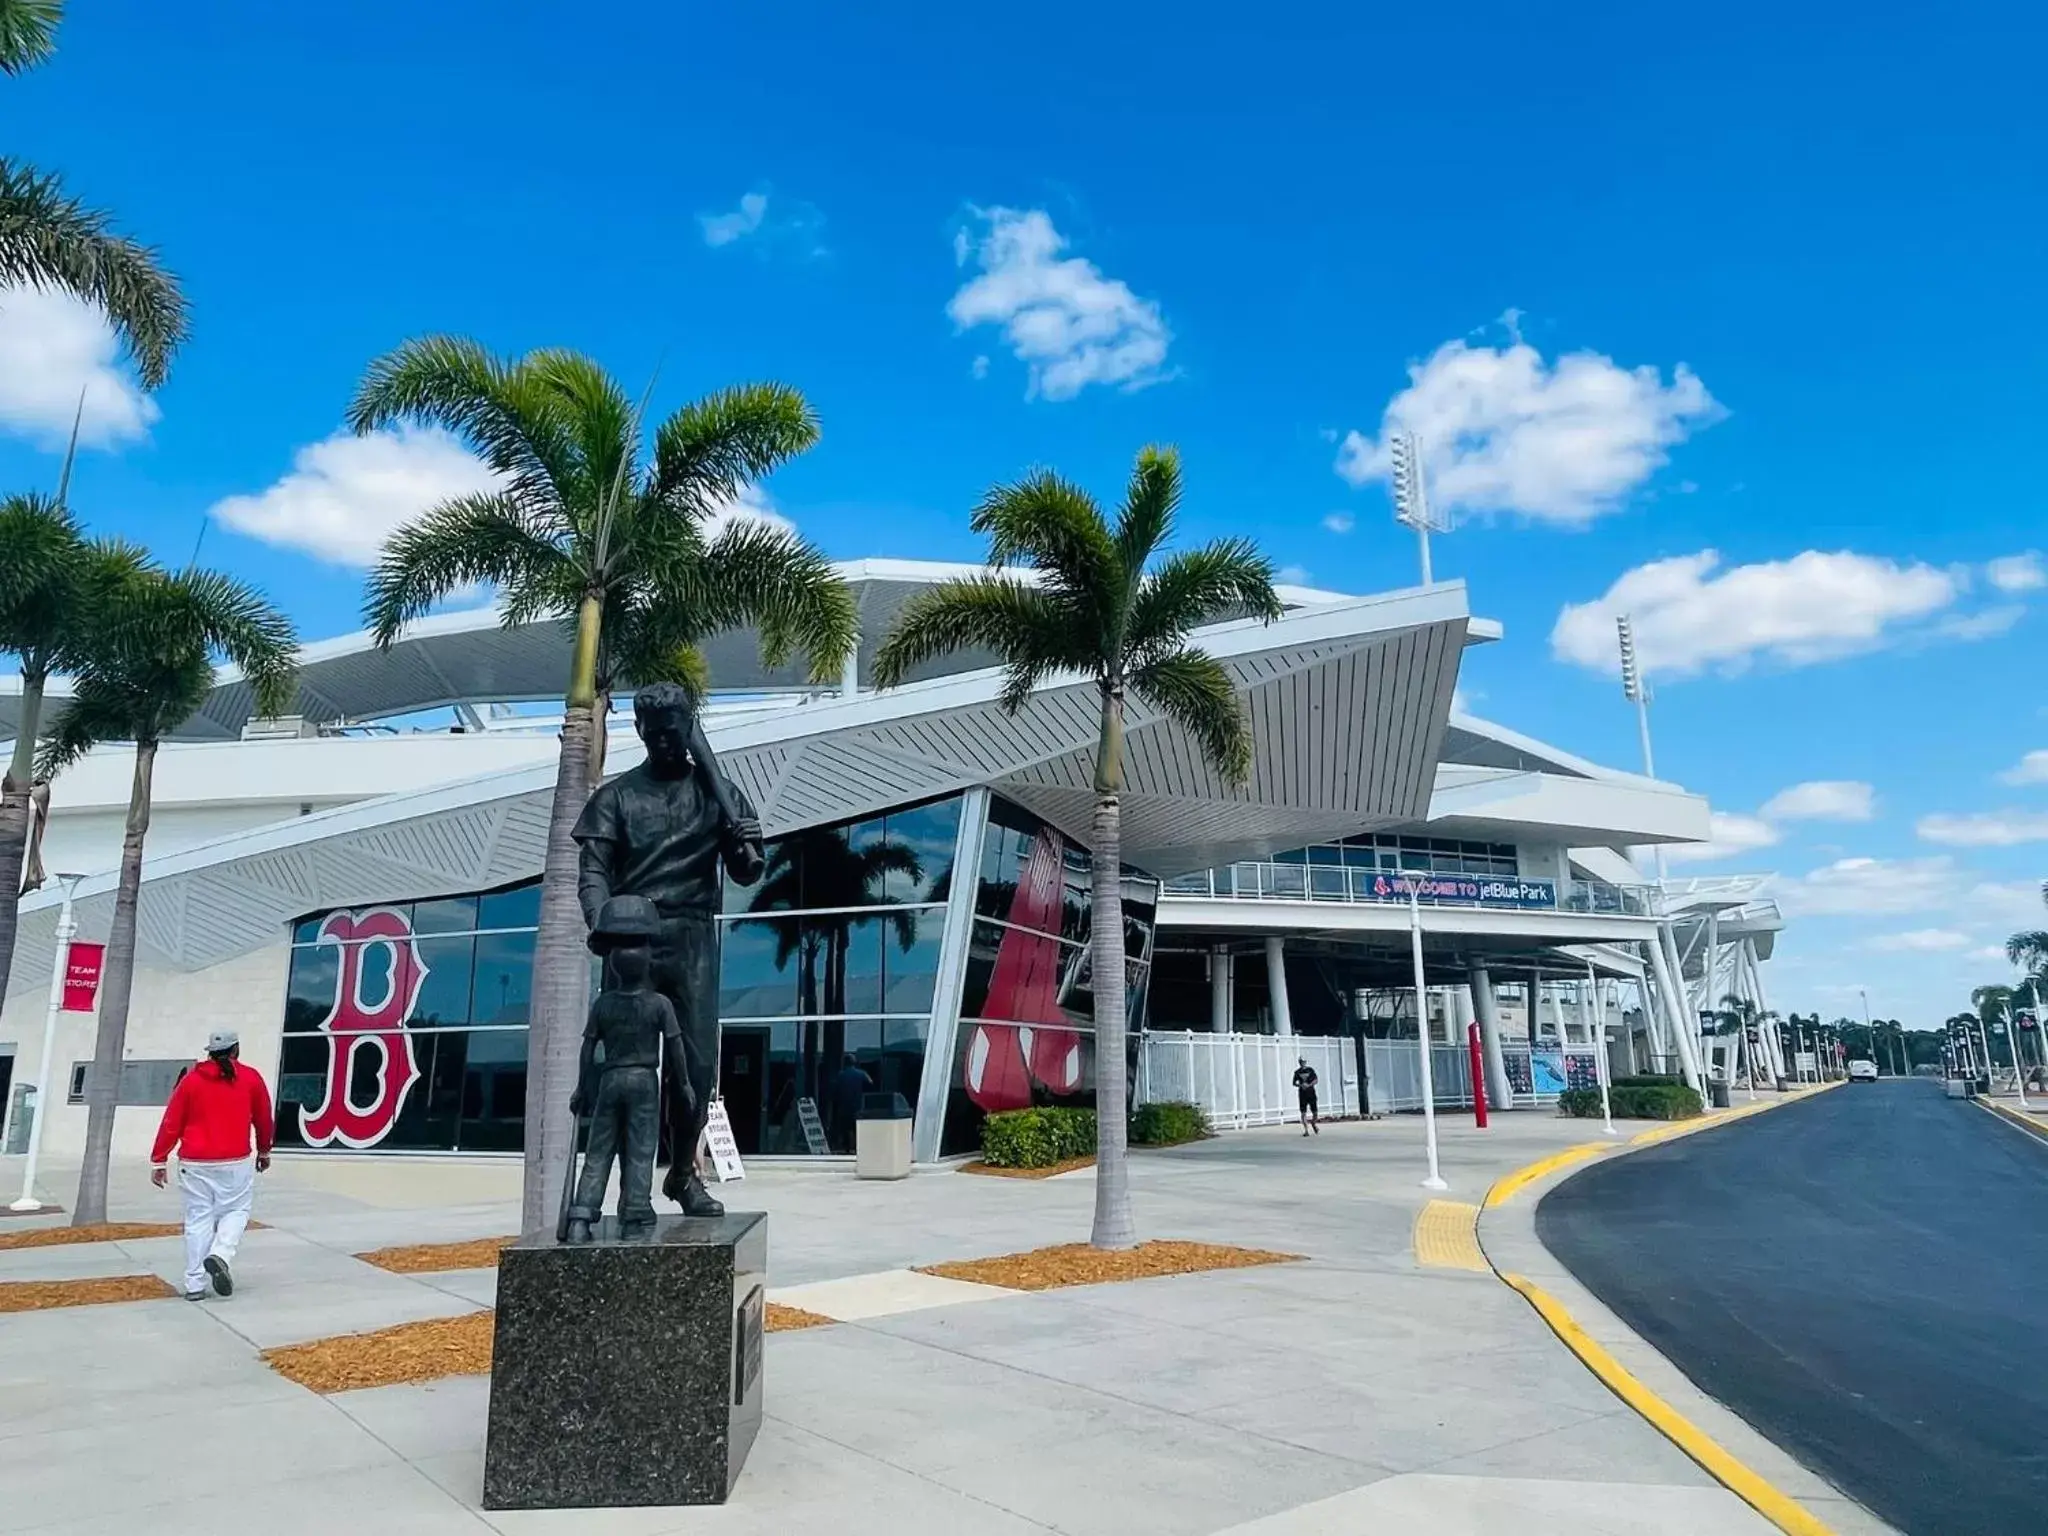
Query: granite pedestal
x=627 y=1371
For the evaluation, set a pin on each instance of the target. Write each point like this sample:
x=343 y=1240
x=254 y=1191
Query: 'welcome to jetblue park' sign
x=1468 y=890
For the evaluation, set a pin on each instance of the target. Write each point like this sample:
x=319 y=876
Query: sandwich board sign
x=725 y=1152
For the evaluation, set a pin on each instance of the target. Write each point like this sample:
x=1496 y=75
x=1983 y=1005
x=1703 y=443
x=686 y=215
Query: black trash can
x=1717 y=1092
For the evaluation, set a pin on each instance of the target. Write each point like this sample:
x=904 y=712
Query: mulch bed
x=782 y=1318
x=1047 y=1269
x=42 y=1295
x=1028 y=1173
x=423 y=1351
x=98 y=1232
x=431 y=1258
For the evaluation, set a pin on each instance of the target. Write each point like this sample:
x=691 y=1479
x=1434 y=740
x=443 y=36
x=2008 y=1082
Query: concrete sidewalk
x=1359 y=1390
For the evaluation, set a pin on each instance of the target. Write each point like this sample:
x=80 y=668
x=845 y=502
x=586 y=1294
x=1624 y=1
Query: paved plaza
x=1358 y=1390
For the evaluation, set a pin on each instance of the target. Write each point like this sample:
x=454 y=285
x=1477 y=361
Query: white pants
x=217 y=1201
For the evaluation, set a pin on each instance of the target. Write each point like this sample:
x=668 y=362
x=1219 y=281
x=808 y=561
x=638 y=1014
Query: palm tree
x=42 y=560
x=28 y=33
x=1101 y=610
x=618 y=550
x=49 y=240
x=146 y=665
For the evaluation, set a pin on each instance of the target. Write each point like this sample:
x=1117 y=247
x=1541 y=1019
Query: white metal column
x=935 y=1083
x=1220 y=999
x=1276 y=984
x=1664 y=951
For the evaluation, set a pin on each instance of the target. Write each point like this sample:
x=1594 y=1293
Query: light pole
x=65 y=929
x=1411 y=497
x=1637 y=692
x=1436 y=1178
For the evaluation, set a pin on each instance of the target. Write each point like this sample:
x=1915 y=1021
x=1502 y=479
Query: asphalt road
x=1863 y=1277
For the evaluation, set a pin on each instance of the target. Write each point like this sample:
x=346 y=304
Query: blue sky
x=1727 y=320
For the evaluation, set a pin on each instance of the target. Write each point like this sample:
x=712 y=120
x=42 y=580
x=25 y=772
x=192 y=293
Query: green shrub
x=1633 y=1099
x=1648 y=1080
x=1658 y=1101
x=1579 y=1103
x=1167 y=1125
x=1037 y=1138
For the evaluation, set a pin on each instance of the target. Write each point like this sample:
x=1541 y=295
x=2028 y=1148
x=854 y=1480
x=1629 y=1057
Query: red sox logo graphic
x=357 y=1023
x=1032 y=972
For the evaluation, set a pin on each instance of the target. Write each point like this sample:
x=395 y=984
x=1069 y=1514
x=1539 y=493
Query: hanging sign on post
x=718 y=1138
x=82 y=967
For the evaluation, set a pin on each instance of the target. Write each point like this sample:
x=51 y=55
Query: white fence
x=1393 y=1076
x=1242 y=1080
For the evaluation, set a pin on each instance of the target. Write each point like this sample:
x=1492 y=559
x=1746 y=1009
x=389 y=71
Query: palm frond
x=28 y=33
x=507 y=416
x=603 y=428
x=1196 y=587
x=757 y=573
x=94 y=714
x=1195 y=692
x=1030 y=631
x=2029 y=949
x=42 y=556
x=479 y=538
x=51 y=241
x=230 y=618
x=1055 y=527
x=1150 y=503
x=708 y=450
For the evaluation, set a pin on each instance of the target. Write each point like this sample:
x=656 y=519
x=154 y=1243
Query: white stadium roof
x=472 y=657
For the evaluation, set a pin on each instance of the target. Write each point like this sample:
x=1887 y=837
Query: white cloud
x=1691 y=614
x=1916 y=887
x=1503 y=431
x=1920 y=940
x=1067 y=322
x=724 y=228
x=1729 y=835
x=344 y=496
x=2031 y=769
x=1990 y=953
x=1985 y=829
x=1291 y=576
x=1823 y=800
x=2017 y=573
x=53 y=348
x=1339 y=522
x=979 y=368
x=1985 y=624
x=751 y=505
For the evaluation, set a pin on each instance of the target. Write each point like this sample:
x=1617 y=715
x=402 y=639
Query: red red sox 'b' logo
x=357 y=1024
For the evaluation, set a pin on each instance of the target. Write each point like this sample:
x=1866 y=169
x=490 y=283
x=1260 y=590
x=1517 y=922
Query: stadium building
x=355 y=888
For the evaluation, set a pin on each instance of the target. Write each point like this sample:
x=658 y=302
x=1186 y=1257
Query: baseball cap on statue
x=222 y=1040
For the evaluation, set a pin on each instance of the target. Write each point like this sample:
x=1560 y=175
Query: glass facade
x=1027 y=1010
x=406 y=1023
x=826 y=976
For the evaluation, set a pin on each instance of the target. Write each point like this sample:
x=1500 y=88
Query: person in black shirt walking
x=1305 y=1090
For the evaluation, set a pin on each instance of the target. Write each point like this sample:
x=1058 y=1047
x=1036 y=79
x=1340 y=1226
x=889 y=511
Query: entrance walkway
x=1358 y=1390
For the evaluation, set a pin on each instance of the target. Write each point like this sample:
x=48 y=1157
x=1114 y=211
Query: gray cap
x=222 y=1040
x=624 y=919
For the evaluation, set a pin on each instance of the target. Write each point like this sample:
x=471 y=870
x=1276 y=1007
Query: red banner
x=82 y=976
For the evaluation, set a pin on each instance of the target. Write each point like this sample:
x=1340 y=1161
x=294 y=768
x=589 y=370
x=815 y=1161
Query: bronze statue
x=662 y=831
x=619 y=1081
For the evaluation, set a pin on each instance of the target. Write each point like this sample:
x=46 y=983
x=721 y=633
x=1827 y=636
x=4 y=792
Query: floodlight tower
x=1637 y=691
x=1411 y=496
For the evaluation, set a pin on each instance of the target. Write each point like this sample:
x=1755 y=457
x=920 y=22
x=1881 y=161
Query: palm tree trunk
x=561 y=959
x=600 y=736
x=1113 y=1225
x=14 y=793
x=103 y=1084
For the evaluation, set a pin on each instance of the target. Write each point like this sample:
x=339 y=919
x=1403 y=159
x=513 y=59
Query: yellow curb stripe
x=1775 y=1506
x=1447 y=1237
x=2026 y=1123
x=1509 y=1184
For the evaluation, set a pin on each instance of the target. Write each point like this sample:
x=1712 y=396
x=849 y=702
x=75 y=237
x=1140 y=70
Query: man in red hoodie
x=217 y=1110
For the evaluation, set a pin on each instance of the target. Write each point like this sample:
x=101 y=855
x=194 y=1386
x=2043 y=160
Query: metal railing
x=1263 y=880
